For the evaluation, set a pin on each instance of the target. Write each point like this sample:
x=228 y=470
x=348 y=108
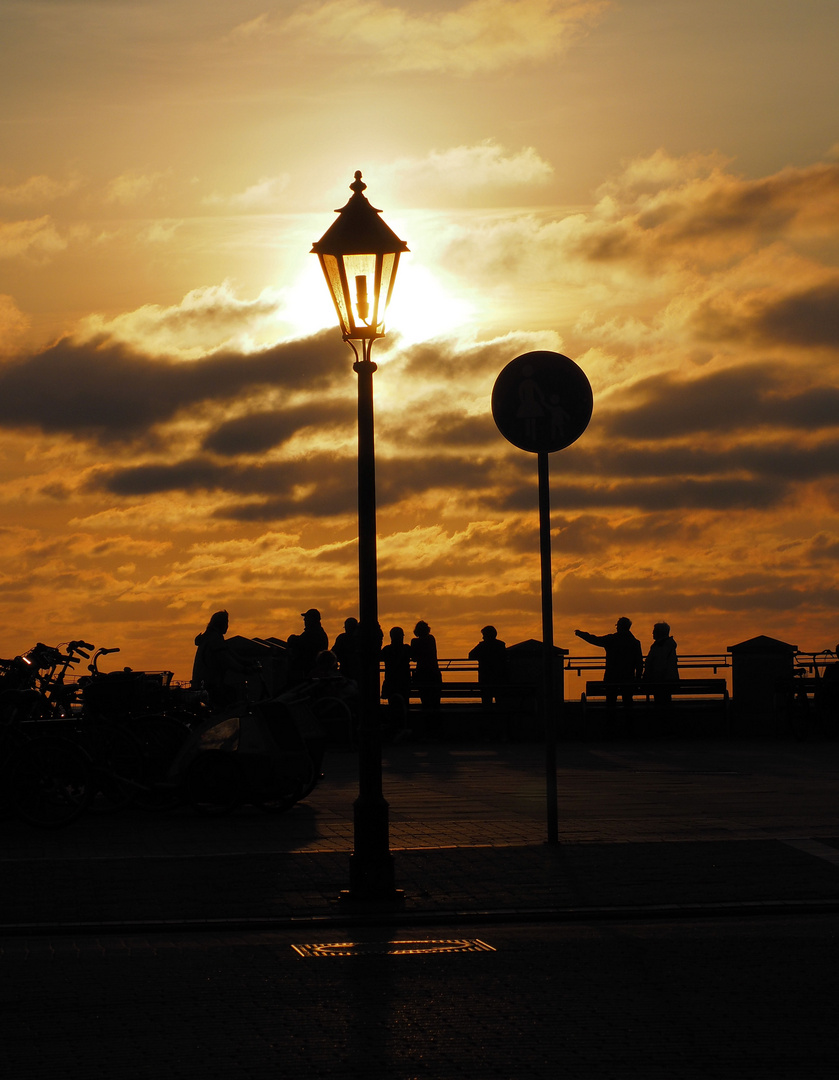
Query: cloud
x=37 y=239
x=319 y=484
x=654 y=229
x=265 y=194
x=109 y=393
x=791 y=316
x=132 y=187
x=716 y=493
x=207 y=319
x=738 y=399
x=39 y=189
x=467 y=169
x=255 y=433
x=479 y=37
x=13 y=325
x=691 y=208
x=718 y=593
x=456 y=430
x=160 y=232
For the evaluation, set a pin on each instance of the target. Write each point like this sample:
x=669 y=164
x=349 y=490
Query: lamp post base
x=373 y=904
x=372 y=876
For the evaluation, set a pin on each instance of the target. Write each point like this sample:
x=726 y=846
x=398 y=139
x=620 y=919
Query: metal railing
x=578 y=664
x=710 y=661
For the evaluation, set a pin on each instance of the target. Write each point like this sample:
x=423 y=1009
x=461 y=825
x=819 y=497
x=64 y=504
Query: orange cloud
x=481 y=36
x=37 y=239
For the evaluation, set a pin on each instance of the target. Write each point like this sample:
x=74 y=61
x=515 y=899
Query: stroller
x=269 y=754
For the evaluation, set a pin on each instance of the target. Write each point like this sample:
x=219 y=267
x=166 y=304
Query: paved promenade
x=646 y=827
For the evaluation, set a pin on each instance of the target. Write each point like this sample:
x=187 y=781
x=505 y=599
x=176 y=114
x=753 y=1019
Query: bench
x=462 y=705
x=696 y=689
x=474 y=689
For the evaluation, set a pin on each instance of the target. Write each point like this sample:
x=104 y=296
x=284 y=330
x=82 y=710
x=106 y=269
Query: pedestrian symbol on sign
x=542 y=402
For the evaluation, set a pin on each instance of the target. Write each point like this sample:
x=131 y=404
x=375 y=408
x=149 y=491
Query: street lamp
x=359 y=255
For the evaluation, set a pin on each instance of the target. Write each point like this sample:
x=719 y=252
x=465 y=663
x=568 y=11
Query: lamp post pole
x=359 y=256
x=372 y=876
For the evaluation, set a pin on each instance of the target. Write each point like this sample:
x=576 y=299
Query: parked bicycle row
x=100 y=741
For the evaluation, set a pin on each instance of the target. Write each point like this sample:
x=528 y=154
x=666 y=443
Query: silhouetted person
x=491 y=654
x=624 y=658
x=215 y=668
x=662 y=663
x=303 y=648
x=397 y=682
x=325 y=665
x=347 y=648
x=427 y=675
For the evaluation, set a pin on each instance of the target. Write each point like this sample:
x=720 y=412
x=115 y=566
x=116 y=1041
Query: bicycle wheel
x=213 y=782
x=118 y=765
x=161 y=739
x=50 y=781
x=274 y=786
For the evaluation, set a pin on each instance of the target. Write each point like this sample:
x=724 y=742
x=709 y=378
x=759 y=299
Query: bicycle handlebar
x=94 y=668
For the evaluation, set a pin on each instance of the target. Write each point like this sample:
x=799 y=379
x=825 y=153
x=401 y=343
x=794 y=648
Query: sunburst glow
x=422 y=308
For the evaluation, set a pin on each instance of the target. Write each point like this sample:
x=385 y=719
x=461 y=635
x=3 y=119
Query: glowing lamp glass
x=359 y=256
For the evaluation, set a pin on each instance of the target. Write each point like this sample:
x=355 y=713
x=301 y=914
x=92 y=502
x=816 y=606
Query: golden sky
x=649 y=187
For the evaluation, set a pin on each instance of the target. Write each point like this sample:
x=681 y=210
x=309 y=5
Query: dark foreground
x=716 y=998
x=686 y=926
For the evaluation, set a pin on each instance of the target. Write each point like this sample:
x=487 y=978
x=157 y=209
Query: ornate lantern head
x=359 y=255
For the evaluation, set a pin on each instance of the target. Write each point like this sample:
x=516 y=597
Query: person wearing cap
x=304 y=648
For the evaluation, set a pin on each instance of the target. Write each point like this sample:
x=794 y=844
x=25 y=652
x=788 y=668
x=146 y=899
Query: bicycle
x=45 y=779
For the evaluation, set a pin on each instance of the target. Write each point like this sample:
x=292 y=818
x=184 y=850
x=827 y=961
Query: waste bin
x=524 y=668
x=759 y=667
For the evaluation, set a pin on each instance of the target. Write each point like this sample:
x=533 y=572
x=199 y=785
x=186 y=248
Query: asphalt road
x=674 y=999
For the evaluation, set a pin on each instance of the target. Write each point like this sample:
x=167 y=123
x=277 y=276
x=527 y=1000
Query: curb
x=663 y=912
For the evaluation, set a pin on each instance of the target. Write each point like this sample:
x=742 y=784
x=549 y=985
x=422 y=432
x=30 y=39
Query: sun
x=422 y=308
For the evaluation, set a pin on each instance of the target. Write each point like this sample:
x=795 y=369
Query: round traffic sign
x=542 y=402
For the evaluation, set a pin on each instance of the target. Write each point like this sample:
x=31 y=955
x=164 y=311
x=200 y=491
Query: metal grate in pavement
x=393 y=948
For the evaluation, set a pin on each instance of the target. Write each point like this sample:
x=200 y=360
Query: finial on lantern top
x=358 y=186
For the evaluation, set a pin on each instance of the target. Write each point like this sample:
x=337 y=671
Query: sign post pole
x=541 y=403
x=550 y=701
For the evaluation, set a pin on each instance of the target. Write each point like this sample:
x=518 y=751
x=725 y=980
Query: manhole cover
x=393 y=948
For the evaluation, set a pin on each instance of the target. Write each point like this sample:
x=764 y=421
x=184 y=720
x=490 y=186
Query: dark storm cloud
x=319 y=485
x=664 y=407
x=257 y=432
x=713 y=494
x=203 y=474
x=808 y=318
x=778 y=458
x=402 y=478
x=454 y=429
x=333 y=496
x=109 y=393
